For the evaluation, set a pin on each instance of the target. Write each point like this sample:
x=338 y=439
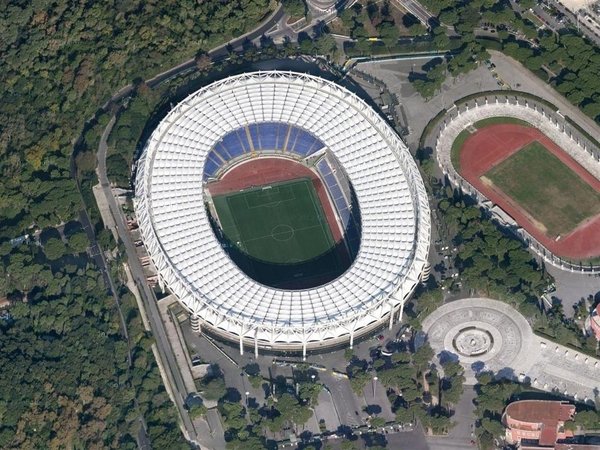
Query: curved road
x=215 y=53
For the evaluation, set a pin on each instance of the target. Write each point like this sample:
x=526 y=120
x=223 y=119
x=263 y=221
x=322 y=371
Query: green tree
x=377 y=422
x=295 y=8
x=79 y=242
x=54 y=249
x=213 y=388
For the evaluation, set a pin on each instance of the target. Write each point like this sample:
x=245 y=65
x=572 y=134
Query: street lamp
x=247 y=394
x=313 y=376
x=374 y=381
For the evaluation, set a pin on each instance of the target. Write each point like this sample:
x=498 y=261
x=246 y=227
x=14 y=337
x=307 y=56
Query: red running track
x=493 y=144
x=262 y=171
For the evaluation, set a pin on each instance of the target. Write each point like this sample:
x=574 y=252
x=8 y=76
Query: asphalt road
x=460 y=436
x=417 y=10
x=578 y=22
x=147 y=295
x=347 y=405
x=412 y=440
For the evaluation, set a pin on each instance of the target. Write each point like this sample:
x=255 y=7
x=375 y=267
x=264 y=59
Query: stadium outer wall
x=550 y=122
x=382 y=308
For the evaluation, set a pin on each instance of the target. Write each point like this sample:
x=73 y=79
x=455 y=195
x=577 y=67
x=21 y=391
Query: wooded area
x=67 y=381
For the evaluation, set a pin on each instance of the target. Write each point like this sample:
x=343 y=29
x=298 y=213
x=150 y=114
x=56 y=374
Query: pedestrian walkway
x=489 y=335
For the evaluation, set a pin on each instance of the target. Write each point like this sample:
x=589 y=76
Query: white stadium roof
x=190 y=259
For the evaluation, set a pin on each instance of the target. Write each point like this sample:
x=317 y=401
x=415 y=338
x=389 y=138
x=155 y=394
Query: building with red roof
x=537 y=422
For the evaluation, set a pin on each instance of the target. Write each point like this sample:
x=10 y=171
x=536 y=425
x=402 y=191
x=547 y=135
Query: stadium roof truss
x=190 y=259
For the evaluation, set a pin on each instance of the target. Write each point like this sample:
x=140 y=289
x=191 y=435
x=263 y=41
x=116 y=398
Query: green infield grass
x=500 y=120
x=549 y=191
x=280 y=229
x=456 y=148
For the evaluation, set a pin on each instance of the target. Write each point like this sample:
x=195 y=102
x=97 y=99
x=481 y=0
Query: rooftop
x=540 y=411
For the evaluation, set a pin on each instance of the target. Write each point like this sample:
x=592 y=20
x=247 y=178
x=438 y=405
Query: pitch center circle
x=282 y=233
x=473 y=341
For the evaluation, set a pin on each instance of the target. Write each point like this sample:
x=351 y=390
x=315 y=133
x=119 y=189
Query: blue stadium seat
x=336 y=192
x=255 y=134
x=323 y=168
x=352 y=233
x=216 y=157
x=233 y=145
x=343 y=211
x=268 y=136
x=282 y=132
x=221 y=151
x=241 y=134
x=330 y=179
x=210 y=167
x=318 y=145
x=292 y=139
x=346 y=215
x=304 y=143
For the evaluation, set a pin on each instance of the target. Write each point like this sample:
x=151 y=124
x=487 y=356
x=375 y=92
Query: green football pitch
x=282 y=223
x=553 y=194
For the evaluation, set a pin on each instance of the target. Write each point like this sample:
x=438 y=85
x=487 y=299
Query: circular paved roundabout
x=483 y=334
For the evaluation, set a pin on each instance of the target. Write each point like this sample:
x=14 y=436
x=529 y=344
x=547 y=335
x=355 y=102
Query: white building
x=191 y=261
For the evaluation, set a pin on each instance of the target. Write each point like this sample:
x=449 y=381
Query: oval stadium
x=283 y=212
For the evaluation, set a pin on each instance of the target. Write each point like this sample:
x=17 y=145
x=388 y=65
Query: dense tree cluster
x=295 y=8
x=413 y=386
x=488 y=260
x=66 y=380
x=127 y=131
x=377 y=20
x=67 y=60
x=492 y=397
x=66 y=377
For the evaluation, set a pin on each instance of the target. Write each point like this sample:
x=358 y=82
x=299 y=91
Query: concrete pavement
x=395 y=74
x=347 y=405
x=571 y=287
x=325 y=410
x=461 y=434
x=374 y=394
x=488 y=335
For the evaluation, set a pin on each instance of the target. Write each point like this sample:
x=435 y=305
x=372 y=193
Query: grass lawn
x=499 y=120
x=282 y=223
x=457 y=146
x=547 y=189
x=278 y=233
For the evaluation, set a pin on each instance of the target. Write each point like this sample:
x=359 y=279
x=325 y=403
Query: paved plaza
x=488 y=335
x=395 y=75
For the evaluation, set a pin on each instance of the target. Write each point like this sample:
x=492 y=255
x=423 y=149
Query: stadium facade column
x=256 y=343
x=304 y=350
x=242 y=339
x=391 y=315
x=161 y=282
x=195 y=323
x=401 y=311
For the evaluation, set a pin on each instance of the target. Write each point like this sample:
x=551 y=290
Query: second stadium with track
x=283 y=212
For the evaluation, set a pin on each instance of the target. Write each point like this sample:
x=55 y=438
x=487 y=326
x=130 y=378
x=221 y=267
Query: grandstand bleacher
x=270 y=137
x=273 y=138
x=345 y=210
